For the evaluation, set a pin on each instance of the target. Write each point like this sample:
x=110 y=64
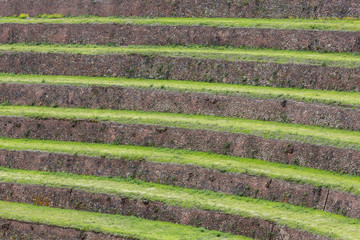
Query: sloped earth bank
x=209 y=70
x=188 y=176
x=187 y=8
x=11 y=229
x=93 y=131
x=343 y=117
x=127 y=34
x=79 y=200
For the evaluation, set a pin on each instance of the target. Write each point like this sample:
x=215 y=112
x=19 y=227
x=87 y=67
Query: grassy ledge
x=322 y=223
x=315 y=177
x=111 y=224
x=306 y=95
x=270 y=130
x=292 y=24
x=345 y=60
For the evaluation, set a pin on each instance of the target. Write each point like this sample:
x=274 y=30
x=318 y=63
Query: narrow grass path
x=293 y=24
x=315 y=221
x=346 y=60
x=265 y=129
x=306 y=95
x=111 y=224
x=291 y=173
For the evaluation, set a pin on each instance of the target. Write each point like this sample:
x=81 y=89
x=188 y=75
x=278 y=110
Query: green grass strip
x=295 y=24
x=265 y=129
x=315 y=221
x=106 y=223
x=307 y=95
x=346 y=60
x=223 y=163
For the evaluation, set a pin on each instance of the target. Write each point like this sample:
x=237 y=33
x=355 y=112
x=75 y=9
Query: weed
x=24 y=16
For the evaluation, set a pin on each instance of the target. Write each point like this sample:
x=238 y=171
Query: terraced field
x=175 y=120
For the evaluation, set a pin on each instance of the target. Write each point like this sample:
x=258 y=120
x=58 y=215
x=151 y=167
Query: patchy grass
x=291 y=173
x=306 y=95
x=315 y=221
x=291 y=24
x=132 y=227
x=345 y=60
x=265 y=129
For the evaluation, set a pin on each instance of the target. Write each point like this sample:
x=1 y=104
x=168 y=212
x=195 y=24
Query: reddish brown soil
x=283 y=151
x=79 y=200
x=182 y=102
x=254 y=73
x=162 y=35
x=187 y=8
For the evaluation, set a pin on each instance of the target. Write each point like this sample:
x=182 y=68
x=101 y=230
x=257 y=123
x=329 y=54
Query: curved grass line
x=288 y=24
x=118 y=225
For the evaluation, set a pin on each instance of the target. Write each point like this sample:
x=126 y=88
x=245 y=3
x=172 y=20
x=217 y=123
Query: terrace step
x=262 y=67
x=316 y=147
x=11 y=229
x=181 y=8
x=178 y=205
x=316 y=35
x=300 y=106
x=93 y=225
x=318 y=189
